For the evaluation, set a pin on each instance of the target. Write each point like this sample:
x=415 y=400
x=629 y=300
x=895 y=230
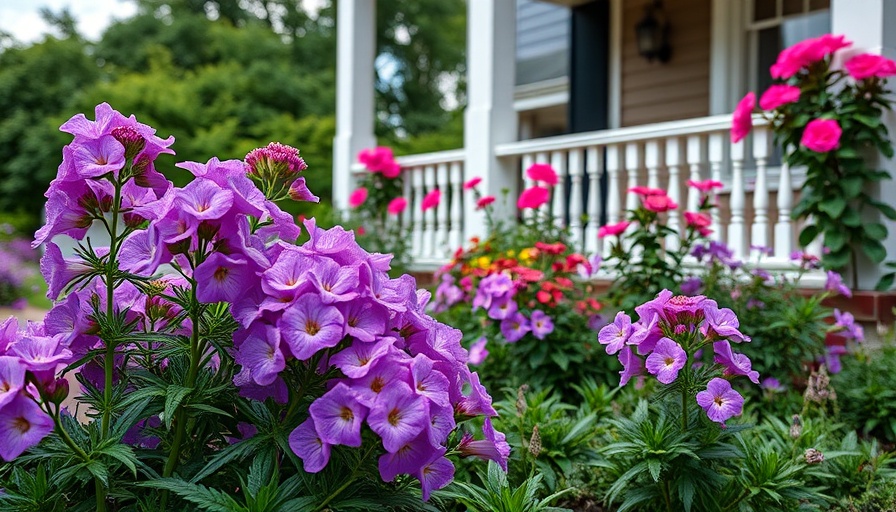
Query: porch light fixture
x=652 y=33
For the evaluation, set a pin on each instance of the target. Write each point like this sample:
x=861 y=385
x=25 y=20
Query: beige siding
x=653 y=92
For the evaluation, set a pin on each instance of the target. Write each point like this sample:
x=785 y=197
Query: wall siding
x=652 y=92
x=542 y=41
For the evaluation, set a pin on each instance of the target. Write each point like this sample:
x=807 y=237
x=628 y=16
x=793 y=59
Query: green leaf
x=201 y=496
x=885 y=209
x=886 y=282
x=851 y=186
x=869 y=121
x=656 y=468
x=834 y=240
x=876 y=231
x=808 y=234
x=874 y=250
x=836 y=259
x=851 y=218
x=833 y=206
x=123 y=453
x=174 y=395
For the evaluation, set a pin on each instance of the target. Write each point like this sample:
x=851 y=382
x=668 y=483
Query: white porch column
x=355 y=52
x=489 y=118
x=871 y=26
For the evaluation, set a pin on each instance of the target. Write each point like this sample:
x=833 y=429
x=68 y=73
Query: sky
x=21 y=18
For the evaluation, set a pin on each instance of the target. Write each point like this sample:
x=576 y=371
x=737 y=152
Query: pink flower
x=357 y=197
x=613 y=229
x=533 y=198
x=542 y=172
x=699 y=222
x=431 y=200
x=471 y=184
x=397 y=205
x=742 y=120
x=647 y=191
x=705 y=185
x=659 y=203
x=778 y=95
x=391 y=169
x=869 y=65
x=376 y=159
x=484 y=201
x=805 y=53
x=822 y=135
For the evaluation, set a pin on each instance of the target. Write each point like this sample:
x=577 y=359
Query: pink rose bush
x=202 y=332
x=828 y=120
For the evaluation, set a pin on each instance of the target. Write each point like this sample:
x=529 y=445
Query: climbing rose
x=822 y=135
x=533 y=198
x=431 y=200
x=869 y=65
x=542 y=172
x=397 y=205
x=777 y=95
x=742 y=120
x=357 y=197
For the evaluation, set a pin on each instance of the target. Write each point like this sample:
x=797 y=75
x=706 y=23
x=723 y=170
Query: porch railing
x=596 y=171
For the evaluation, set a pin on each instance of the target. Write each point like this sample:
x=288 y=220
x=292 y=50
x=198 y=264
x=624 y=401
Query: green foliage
x=499 y=496
x=867 y=391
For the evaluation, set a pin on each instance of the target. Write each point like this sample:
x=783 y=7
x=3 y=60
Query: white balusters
x=784 y=227
x=594 y=168
x=759 y=234
x=456 y=177
x=652 y=162
x=737 y=235
x=441 y=239
x=716 y=157
x=614 y=195
x=673 y=164
x=558 y=208
x=542 y=158
x=575 y=169
x=416 y=213
x=429 y=216
x=695 y=160
x=527 y=162
x=632 y=166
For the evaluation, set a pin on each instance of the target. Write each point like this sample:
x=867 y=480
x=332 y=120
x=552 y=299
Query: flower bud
x=207 y=231
x=131 y=139
x=796 y=427
x=57 y=391
x=521 y=400
x=813 y=456
x=535 y=442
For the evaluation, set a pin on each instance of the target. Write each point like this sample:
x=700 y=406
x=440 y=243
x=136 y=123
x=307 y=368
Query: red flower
x=555 y=248
x=613 y=229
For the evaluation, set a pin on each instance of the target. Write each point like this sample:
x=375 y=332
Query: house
x=567 y=82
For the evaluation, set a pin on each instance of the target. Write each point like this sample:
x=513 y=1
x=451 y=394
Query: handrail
x=684 y=127
x=437 y=157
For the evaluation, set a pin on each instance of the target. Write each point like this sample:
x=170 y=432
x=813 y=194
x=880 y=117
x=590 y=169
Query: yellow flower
x=483 y=262
x=511 y=253
x=525 y=255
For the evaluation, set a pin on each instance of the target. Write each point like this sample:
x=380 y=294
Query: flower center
x=221 y=274
x=5 y=386
x=21 y=424
x=669 y=360
x=394 y=417
x=718 y=400
x=312 y=327
x=377 y=384
x=346 y=414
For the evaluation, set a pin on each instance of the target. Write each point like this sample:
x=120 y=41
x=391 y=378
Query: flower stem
x=348 y=481
x=109 y=362
x=684 y=408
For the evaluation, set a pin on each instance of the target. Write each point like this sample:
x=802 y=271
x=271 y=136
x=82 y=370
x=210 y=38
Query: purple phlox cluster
x=691 y=285
x=405 y=375
x=848 y=328
x=716 y=252
x=835 y=284
x=447 y=294
x=762 y=250
x=764 y=276
x=673 y=329
x=101 y=148
x=805 y=260
x=28 y=356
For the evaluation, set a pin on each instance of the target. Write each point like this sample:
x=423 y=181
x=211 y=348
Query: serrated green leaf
x=174 y=395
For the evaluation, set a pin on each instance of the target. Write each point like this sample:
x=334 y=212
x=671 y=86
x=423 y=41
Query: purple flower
x=666 y=360
x=385 y=369
x=832 y=358
x=805 y=260
x=260 y=353
x=338 y=416
x=646 y=333
x=723 y=323
x=22 y=425
x=493 y=447
x=334 y=282
x=356 y=360
x=398 y=415
x=407 y=459
x=307 y=444
x=491 y=287
x=514 y=327
x=478 y=402
x=478 y=352
x=95 y=158
x=616 y=334
x=12 y=379
x=435 y=474
x=428 y=381
x=835 y=284
x=203 y=199
x=41 y=353
x=364 y=320
x=847 y=323
x=761 y=249
x=720 y=401
x=308 y=326
x=221 y=278
x=541 y=323
x=771 y=384
x=502 y=307
x=691 y=285
x=632 y=365
x=735 y=364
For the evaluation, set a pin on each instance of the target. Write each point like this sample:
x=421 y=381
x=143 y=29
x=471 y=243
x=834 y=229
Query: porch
x=623 y=128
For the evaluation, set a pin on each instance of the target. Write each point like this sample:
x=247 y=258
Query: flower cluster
x=17 y=265
x=669 y=336
x=813 y=107
x=326 y=311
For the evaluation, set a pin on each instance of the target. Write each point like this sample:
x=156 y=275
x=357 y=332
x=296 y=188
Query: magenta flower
x=308 y=326
x=777 y=95
x=22 y=425
x=12 y=379
x=307 y=444
x=542 y=324
x=275 y=160
x=484 y=201
x=221 y=278
x=705 y=186
x=615 y=335
x=822 y=135
x=376 y=159
x=397 y=205
x=478 y=352
x=613 y=229
x=514 y=327
x=471 y=183
x=742 y=120
x=867 y=65
x=357 y=198
x=338 y=416
x=260 y=353
x=431 y=200
x=632 y=365
x=543 y=173
x=735 y=364
x=533 y=197
x=95 y=158
x=435 y=474
x=398 y=415
x=720 y=401
x=666 y=360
